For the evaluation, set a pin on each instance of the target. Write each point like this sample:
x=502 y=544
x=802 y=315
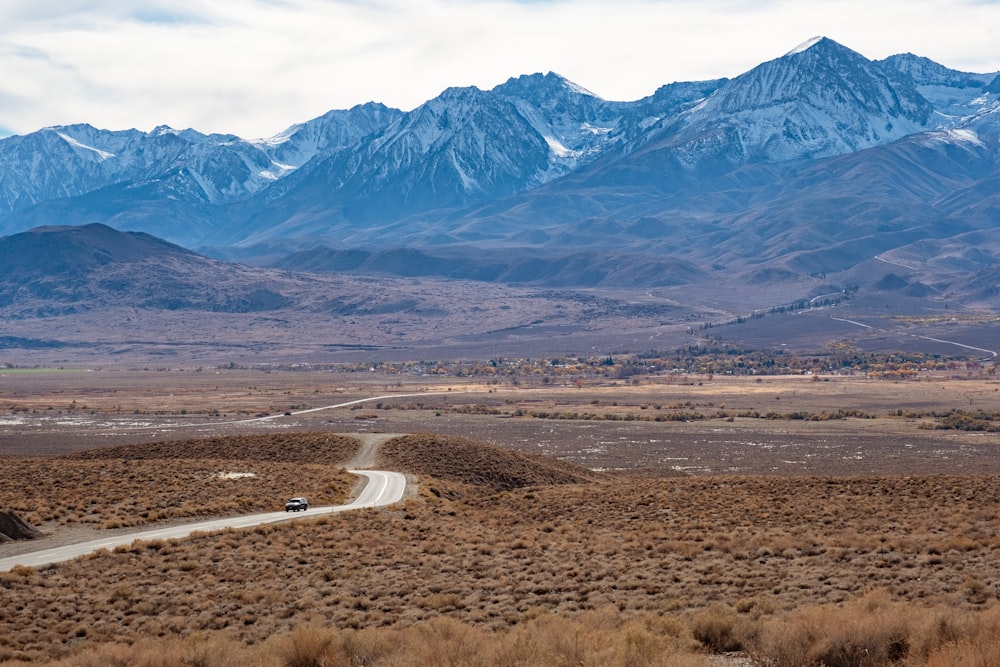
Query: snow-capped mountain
x=818 y=100
x=954 y=95
x=68 y=161
x=466 y=146
x=811 y=150
x=332 y=132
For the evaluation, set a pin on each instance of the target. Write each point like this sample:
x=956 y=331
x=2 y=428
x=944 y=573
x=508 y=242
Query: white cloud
x=253 y=67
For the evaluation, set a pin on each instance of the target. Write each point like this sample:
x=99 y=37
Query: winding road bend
x=383 y=488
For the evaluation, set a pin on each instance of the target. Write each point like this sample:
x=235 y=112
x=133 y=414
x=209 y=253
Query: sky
x=254 y=67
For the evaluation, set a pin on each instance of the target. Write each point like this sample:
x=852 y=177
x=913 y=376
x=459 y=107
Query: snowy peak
x=372 y=165
x=331 y=133
x=575 y=123
x=822 y=74
x=820 y=99
x=452 y=112
x=536 y=86
x=957 y=97
x=467 y=146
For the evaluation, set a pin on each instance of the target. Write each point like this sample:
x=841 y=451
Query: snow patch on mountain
x=594 y=129
x=469 y=184
x=955 y=136
x=578 y=89
x=558 y=149
x=103 y=155
x=805 y=46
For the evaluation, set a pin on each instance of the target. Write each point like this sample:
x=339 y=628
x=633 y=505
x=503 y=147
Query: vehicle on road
x=297 y=504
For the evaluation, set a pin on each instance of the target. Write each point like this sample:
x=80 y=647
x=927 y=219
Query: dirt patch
x=367 y=455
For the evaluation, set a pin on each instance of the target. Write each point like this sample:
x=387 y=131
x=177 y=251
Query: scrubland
x=503 y=557
x=507 y=558
x=118 y=487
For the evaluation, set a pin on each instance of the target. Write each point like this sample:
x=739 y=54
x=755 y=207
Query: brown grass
x=600 y=638
x=136 y=485
x=319 y=448
x=781 y=567
x=457 y=459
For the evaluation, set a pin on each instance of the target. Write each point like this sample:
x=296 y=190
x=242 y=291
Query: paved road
x=383 y=488
x=269 y=418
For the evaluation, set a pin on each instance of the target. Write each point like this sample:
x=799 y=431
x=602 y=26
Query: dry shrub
x=367 y=647
x=602 y=638
x=597 y=638
x=439 y=642
x=964 y=640
x=945 y=627
x=871 y=631
x=308 y=645
x=457 y=459
x=315 y=645
x=216 y=652
x=720 y=629
x=983 y=652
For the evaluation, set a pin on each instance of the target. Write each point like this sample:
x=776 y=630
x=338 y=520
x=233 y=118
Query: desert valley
x=663 y=519
x=705 y=379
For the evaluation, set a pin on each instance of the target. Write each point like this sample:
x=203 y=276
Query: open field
x=838 y=522
x=690 y=424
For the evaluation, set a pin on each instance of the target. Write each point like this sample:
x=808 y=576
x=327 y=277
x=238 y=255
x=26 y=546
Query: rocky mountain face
x=808 y=165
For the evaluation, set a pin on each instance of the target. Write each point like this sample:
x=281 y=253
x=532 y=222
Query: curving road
x=383 y=488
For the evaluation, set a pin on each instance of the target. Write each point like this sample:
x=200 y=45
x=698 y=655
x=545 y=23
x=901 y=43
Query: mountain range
x=815 y=170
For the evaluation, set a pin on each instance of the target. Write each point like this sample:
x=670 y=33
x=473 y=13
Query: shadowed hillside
x=13 y=527
x=62 y=270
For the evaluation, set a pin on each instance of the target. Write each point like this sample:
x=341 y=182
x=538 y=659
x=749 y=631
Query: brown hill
x=456 y=459
x=322 y=448
x=64 y=270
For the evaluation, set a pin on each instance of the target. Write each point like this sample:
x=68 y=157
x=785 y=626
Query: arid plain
x=663 y=519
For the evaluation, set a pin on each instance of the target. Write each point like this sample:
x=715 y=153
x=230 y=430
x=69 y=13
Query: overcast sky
x=254 y=67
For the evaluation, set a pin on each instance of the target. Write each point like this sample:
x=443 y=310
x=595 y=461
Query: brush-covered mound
x=456 y=459
x=136 y=485
x=321 y=448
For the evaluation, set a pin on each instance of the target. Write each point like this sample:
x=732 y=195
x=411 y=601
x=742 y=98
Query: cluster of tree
x=822 y=301
x=704 y=361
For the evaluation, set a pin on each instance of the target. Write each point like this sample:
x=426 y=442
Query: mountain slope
x=175 y=184
x=59 y=270
x=463 y=148
x=805 y=165
x=820 y=99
